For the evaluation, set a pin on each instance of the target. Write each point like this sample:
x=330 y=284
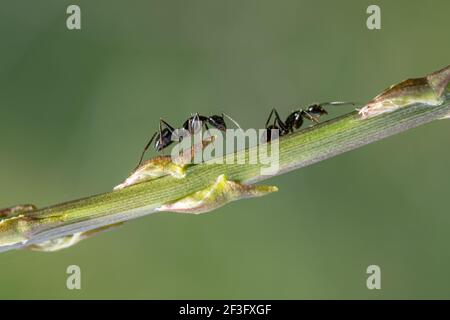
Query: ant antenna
x=232 y=120
x=336 y=103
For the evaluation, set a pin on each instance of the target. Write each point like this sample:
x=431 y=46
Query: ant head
x=217 y=122
x=316 y=110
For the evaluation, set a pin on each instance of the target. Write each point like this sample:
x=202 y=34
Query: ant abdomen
x=163 y=139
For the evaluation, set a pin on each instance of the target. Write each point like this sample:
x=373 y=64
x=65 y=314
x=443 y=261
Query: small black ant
x=295 y=120
x=163 y=137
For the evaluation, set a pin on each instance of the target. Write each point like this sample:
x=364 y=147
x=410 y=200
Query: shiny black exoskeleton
x=295 y=120
x=164 y=137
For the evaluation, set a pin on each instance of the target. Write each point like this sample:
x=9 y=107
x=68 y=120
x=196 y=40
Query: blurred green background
x=76 y=108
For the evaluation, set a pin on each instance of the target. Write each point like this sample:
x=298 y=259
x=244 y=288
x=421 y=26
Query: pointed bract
x=221 y=192
x=427 y=90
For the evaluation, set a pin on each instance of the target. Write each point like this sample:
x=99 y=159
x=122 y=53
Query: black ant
x=163 y=137
x=295 y=120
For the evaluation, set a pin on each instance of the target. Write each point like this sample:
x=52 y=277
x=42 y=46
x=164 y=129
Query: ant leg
x=270 y=116
x=310 y=117
x=206 y=129
x=193 y=124
x=146 y=147
x=209 y=136
x=278 y=123
x=168 y=126
x=160 y=130
x=277 y=118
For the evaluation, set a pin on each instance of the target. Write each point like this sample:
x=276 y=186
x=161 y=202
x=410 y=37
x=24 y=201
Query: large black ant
x=295 y=120
x=166 y=134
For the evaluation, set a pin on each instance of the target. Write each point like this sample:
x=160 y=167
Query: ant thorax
x=194 y=124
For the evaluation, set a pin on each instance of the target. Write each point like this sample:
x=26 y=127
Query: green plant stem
x=297 y=150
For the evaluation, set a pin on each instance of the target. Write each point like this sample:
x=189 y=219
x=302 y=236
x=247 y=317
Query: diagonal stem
x=296 y=150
